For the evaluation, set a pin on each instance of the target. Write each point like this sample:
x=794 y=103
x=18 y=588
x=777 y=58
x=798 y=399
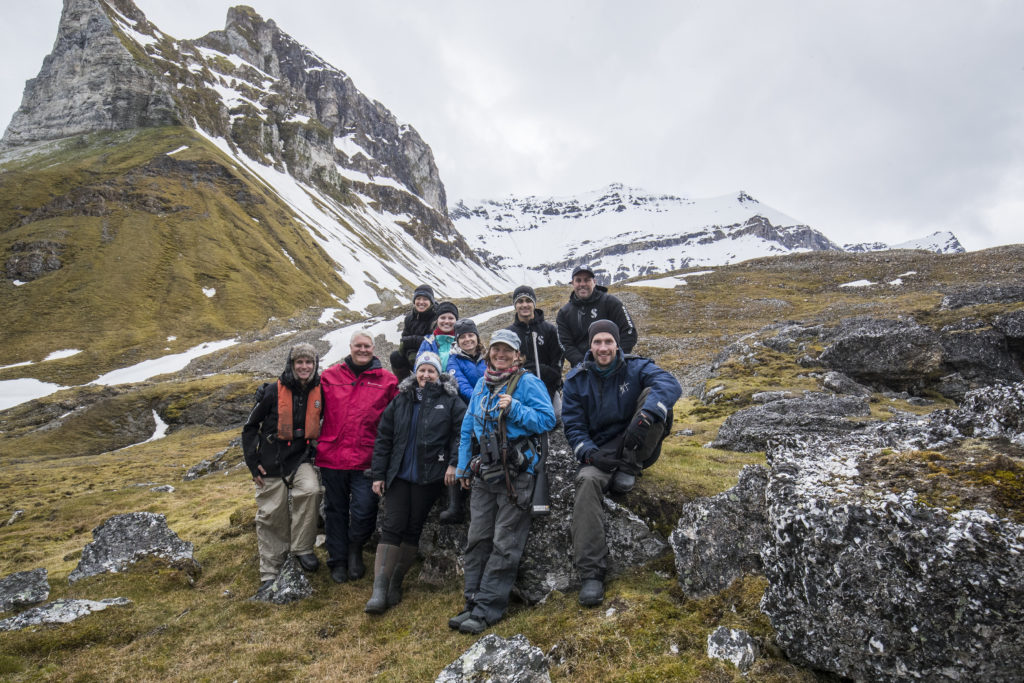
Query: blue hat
x=430 y=358
x=505 y=337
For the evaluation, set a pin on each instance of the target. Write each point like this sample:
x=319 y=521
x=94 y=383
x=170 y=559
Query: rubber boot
x=383 y=567
x=356 y=568
x=456 y=505
x=405 y=559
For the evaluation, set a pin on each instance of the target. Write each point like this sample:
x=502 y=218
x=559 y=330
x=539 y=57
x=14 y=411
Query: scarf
x=495 y=378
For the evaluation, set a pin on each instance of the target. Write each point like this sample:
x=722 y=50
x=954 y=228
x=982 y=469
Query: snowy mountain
x=624 y=232
x=941 y=242
x=363 y=184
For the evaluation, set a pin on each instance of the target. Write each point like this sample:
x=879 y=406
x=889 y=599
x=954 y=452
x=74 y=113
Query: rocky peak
x=90 y=82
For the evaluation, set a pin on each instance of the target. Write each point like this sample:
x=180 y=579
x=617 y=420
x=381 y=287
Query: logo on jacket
x=316 y=404
x=439 y=406
x=624 y=387
x=593 y=312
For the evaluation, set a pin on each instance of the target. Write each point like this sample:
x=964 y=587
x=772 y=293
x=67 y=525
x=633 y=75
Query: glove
x=604 y=459
x=636 y=432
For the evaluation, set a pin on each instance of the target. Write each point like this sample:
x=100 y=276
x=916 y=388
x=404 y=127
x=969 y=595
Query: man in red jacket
x=355 y=393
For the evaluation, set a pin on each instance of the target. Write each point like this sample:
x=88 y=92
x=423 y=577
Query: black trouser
x=406 y=506
x=350 y=511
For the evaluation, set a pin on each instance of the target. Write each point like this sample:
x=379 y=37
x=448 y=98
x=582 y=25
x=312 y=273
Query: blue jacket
x=467 y=372
x=431 y=343
x=529 y=413
x=597 y=409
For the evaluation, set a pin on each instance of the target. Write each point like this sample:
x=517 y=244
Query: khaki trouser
x=279 y=529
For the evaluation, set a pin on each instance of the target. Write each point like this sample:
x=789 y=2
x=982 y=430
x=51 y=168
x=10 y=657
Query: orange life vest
x=314 y=406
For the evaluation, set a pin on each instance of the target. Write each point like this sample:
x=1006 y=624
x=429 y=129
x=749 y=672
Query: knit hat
x=424 y=290
x=505 y=337
x=447 y=307
x=599 y=326
x=302 y=350
x=582 y=268
x=428 y=358
x=465 y=326
x=524 y=290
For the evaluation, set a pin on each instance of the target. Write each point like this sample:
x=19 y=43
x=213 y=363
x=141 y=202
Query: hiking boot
x=265 y=585
x=308 y=562
x=356 y=568
x=339 y=573
x=591 y=592
x=405 y=559
x=383 y=567
x=456 y=505
x=473 y=625
x=622 y=482
x=455 y=622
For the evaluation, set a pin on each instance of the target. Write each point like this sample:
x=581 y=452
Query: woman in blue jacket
x=442 y=341
x=508 y=406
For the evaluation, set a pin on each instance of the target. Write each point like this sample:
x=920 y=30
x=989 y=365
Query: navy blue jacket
x=597 y=409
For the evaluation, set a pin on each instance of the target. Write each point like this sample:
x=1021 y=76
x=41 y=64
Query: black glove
x=605 y=459
x=636 y=432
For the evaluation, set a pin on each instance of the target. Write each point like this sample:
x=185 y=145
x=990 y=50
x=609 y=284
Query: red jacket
x=352 y=408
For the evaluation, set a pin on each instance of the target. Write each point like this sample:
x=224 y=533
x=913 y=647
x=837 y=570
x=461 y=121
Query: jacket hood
x=599 y=291
x=289 y=379
x=446 y=381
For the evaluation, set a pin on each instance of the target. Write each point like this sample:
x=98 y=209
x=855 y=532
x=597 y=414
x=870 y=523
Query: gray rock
x=15 y=517
x=547 y=561
x=769 y=396
x=30 y=260
x=22 y=589
x=983 y=294
x=752 y=428
x=992 y=412
x=166 y=488
x=291 y=585
x=888 y=353
x=59 y=612
x=980 y=357
x=1011 y=324
x=841 y=384
x=124 y=539
x=734 y=646
x=493 y=658
x=870 y=583
x=719 y=539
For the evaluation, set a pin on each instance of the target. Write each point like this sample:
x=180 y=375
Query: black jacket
x=548 y=348
x=575 y=317
x=417 y=326
x=260 y=444
x=437 y=434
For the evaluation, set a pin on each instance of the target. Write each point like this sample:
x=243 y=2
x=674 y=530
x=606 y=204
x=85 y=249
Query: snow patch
x=14 y=392
x=180 y=149
x=209 y=292
x=858 y=283
x=174 y=362
x=63 y=353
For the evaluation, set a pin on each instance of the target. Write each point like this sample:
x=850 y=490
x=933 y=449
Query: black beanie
x=599 y=326
x=424 y=290
x=524 y=290
x=446 y=307
x=465 y=326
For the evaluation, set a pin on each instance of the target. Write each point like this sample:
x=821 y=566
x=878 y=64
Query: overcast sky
x=866 y=119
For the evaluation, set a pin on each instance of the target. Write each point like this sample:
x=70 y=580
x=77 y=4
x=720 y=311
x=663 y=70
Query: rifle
x=541 y=494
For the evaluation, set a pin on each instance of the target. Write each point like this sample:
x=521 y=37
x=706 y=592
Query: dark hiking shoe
x=455 y=622
x=592 y=592
x=356 y=568
x=339 y=573
x=622 y=482
x=309 y=562
x=473 y=625
x=265 y=585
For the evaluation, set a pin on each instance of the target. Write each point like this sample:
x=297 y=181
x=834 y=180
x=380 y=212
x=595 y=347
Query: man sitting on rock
x=616 y=411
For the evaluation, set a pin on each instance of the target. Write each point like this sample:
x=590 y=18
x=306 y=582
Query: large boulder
x=869 y=580
x=983 y=294
x=547 y=561
x=899 y=354
x=291 y=585
x=124 y=539
x=719 y=539
x=493 y=658
x=979 y=355
x=22 y=589
x=752 y=428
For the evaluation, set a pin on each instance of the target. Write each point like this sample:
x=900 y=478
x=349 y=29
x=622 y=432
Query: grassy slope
x=133 y=277
x=210 y=631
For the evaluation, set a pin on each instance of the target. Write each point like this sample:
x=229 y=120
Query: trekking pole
x=541 y=495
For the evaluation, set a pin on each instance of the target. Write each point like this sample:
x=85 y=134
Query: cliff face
x=271 y=98
x=89 y=82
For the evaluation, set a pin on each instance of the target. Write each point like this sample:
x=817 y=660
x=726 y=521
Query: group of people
x=453 y=413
